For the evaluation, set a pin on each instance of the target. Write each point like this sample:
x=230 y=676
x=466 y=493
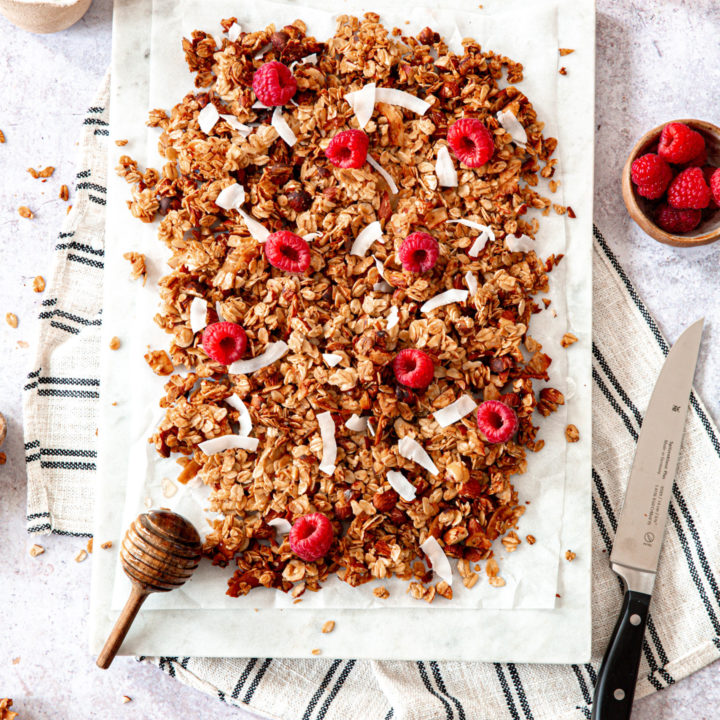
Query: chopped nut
x=26 y=212
x=570 y=555
x=106 y=545
x=329 y=626
x=115 y=343
x=316 y=651
x=82 y=555
x=11 y=319
x=568 y=339
x=121 y=143
x=381 y=592
x=530 y=539
x=3 y=458
x=39 y=284
x=159 y=361
x=565 y=51
x=444 y=590
x=64 y=193
x=572 y=434
x=36 y=550
x=571 y=212
x=3 y=428
x=563 y=71
x=6 y=703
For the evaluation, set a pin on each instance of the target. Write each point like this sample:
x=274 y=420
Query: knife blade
x=638 y=541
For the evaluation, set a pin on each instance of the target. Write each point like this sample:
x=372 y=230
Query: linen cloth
x=683 y=632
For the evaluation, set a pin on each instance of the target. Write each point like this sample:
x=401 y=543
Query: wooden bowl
x=641 y=209
x=44 y=17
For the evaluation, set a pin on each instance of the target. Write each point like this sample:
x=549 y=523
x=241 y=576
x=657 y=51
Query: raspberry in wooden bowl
x=668 y=183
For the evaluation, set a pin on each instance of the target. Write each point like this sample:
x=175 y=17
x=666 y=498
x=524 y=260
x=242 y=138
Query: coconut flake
x=371 y=429
x=332 y=359
x=362 y=103
x=385 y=174
x=519 y=244
x=283 y=129
x=486 y=233
x=398 y=482
x=411 y=102
x=257 y=230
x=513 y=127
x=272 y=354
x=245 y=421
x=262 y=51
x=228 y=442
x=445 y=168
x=198 y=312
x=471 y=282
x=571 y=388
x=235 y=124
x=207 y=118
x=218 y=310
x=455 y=411
x=412 y=450
x=257 y=105
x=393 y=318
x=233 y=32
x=444 y=298
x=311 y=236
x=357 y=423
x=329 y=446
x=231 y=197
x=366 y=237
x=281 y=525
x=438 y=559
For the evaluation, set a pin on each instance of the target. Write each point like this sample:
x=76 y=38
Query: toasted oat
x=568 y=339
x=553 y=185
x=511 y=541
x=159 y=361
x=316 y=651
x=89 y=546
x=329 y=626
x=36 y=550
x=381 y=592
x=137 y=265
x=470 y=579
x=121 y=143
x=444 y=590
x=115 y=343
x=106 y=545
x=46 y=172
x=530 y=539
x=496 y=581
x=492 y=568
x=26 y=212
x=64 y=193
x=565 y=51
x=81 y=556
x=572 y=434
x=39 y=284
x=6 y=703
x=11 y=319
x=169 y=488
x=570 y=555
x=33 y=172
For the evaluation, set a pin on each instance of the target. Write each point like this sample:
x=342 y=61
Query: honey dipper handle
x=120 y=630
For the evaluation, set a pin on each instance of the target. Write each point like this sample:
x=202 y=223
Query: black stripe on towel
x=520 y=690
x=53 y=392
x=243 y=678
x=85 y=261
x=506 y=691
x=321 y=689
x=336 y=688
x=91 y=186
x=426 y=682
x=80 y=246
x=443 y=689
x=256 y=680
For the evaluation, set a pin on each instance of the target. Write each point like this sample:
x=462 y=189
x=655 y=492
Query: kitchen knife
x=639 y=537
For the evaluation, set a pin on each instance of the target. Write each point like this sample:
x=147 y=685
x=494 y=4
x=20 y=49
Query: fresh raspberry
x=689 y=190
x=680 y=144
x=413 y=368
x=348 y=149
x=712 y=177
x=224 y=342
x=677 y=221
x=697 y=161
x=471 y=142
x=311 y=537
x=651 y=174
x=419 y=252
x=274 y=84
x=496 y=420
x=287 y=251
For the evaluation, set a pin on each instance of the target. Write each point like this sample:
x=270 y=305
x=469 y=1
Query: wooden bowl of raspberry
x=671 y=183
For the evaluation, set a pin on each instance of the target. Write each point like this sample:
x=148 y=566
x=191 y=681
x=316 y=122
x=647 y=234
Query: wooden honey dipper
x=160 y=551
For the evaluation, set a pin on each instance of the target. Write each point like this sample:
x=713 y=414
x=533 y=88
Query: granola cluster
x=341 y=305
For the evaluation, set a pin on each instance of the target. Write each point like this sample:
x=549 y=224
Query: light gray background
x=656 y=61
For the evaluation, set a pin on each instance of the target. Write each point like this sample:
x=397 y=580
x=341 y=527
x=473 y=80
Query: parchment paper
x=530 y=572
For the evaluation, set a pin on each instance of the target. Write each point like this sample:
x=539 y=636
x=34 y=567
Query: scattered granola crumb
x=563 y=70
x=46 y=172
x=89 y=546
x=546 y=302
x=16 y=661
x=39 y=284
x=565 y=51
x=159 y=361
x=126 y=699
x=511 y=541
x=297 y=600
x=11 y=319
x=169 y=488
x=121 y=143
x=496 y=581
x=329 y=626
x=23 y=344
x=82 y=555
x=560 y=209
x=553 y=185
x=33 y=172
x=444 y=590
x=64 y=192
x=572 y=434
x=316 y=651
x=6 y=703
x=530 y=539
x=570 y=555
x=3 y=458
x=25 y=212
x=115 y=343
x=568 y=339
x=106 y=545
x=381 y=592
x=571 y=213
x=2 y=137
x=491 y=568
x=137 y=263
x=69 y=208
x=36 y=550
x=3 y=428
x=470 y=579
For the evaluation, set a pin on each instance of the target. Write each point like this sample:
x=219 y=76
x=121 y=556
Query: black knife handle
x=619 y=670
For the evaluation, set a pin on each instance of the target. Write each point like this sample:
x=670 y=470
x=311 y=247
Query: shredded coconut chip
x=218 y=310
x=283 y=129
x=391 y=96
x=258 y=231
x=519 y=244
x=331 y=359
x=272 y=354
x=455 y=411
x=385 y=174
x=366 y=237
x=281 y=525
x=362 y=103
x=410 y=449
x=235 y=124
x=438 y=559
x=382 y=285
x=311 y=236
x=357 y=423
x=233 y=32
x=244 y=421
x=393 y=318
x=471 y=282
x=228 y=442
x=445 y=168
x=444 y=298
x=329 y=446
x=207 y=118
x=404 y=488
x=486 y=234
x=231 y=197
x=198 y=313
x=512 y=126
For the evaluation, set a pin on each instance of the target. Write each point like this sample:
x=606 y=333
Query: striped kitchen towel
x=683 y=632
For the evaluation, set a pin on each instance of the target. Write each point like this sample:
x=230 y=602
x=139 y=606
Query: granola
x=342 y=307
